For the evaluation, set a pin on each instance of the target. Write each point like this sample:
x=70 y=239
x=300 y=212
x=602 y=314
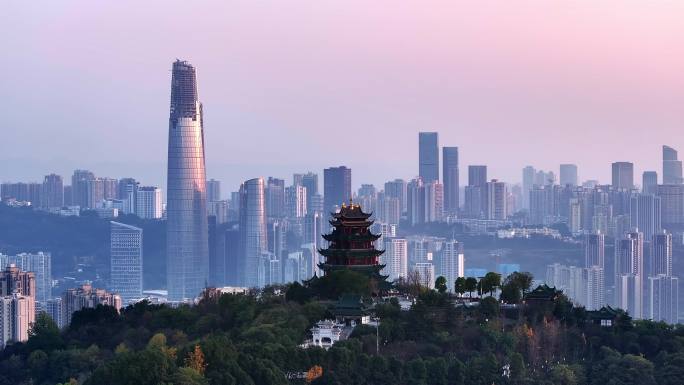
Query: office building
x=672 y=167
x=649 y=182
x=623 y=175
x=295 y=201
x=568 y=175
x=213 y=190
x=253 y=233
x=671 y=204
x=450 y=179
x=336 y=188
x=395 y=258
x=126 y=261
x=275 y=197
x=428 y=156
x=187 y=243
x=148 y=202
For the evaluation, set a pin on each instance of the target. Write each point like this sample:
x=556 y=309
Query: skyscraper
x=649 y=182
x=275 y=197
x=645 y=214
x=213 y=190
x=126 y=264
x=568 y=174
x=253 y=233
x=428 y=156
x=395 y=258
x=452 y=263
x=477 y=175
x=397 y=189
x=527 y=183
x=672 y=167
x=336 y=187
x=496 y=200
x=623 y=175
x=594 y=250
x=594 y=271
x=40 y=264
x=79 y=187
x=187 y=243
x=672 y=203
x=450 y=179
x=661 y=254
x=629 y=273
x=53 y=191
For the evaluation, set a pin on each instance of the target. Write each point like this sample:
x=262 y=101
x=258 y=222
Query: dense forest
x=254 y=339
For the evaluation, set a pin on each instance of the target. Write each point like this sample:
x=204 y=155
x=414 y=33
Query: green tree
x=441 y=284
x=44 y=334
x=470 y=285
x=460 y=286
x=490 y=282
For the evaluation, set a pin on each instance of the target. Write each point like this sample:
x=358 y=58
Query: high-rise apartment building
x=128 y=190
x=53 y=191
x=452 y=263
x=671 y=203
x=568 y=175
x=148 y=202
x=434 y=202
x=40 y=264
x=336 y=187
x=645 y=214
x=295 y=201
x=126 y=261
x=187 y=243
x=428 y=156
x=86 y=296
x=527 y=184
x=79 y=187
x=253 y=233
x=629 y=273
x=661 y=254
x=426 y=274
x=649 y=182
x=395 y=258
x=594 y=250
x=17 y=314
x=496 y=200
x=450 y=179
x=397 y=189
x=623 y=175
x=415 y=197
x=672 y=167
x=664 y=298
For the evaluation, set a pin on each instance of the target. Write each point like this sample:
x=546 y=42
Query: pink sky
x=292 y=86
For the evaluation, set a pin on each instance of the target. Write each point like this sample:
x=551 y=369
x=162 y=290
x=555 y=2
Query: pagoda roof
x=351 y=253
x=351 y=211
x=368 y=236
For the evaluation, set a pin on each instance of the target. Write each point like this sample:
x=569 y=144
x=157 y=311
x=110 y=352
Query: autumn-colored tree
x=195 y=360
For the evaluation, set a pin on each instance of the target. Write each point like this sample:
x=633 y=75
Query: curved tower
x=187 y=243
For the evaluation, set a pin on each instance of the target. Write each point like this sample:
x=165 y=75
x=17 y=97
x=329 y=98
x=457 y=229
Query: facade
x=568 y=175
x=126 y=263
x=661 y=254
x=623 y=175
x=148 y=202
x=595 y=287
x=428 y=156
x=569 y=279
x=671 y=203
x=274 y=191
x=527 y=183
x=128 y=191
x=295 y=201
x=187 y=243
x=664 y=298
x=415 y=197
x=55 y=309
x=79 y=187
x=452 y=263
x=336 y=187
x=649 y=182
x=450 y=179
x=672 y=167
x=253 y=233
x=395 y=258
x=397 y=189
x=434 y=202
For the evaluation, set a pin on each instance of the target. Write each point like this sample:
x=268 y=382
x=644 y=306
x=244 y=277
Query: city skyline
x=538 y=93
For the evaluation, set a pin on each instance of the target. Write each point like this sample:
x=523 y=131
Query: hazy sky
x=292 y=86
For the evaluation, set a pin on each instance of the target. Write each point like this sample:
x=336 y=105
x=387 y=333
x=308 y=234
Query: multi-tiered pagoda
x=351 y=245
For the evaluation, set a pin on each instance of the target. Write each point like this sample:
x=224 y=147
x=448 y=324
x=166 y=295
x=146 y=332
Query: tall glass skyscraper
x=126 y=264
x=428 y=156
x=450 y=179
x=253 y=233
x=187 y=244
